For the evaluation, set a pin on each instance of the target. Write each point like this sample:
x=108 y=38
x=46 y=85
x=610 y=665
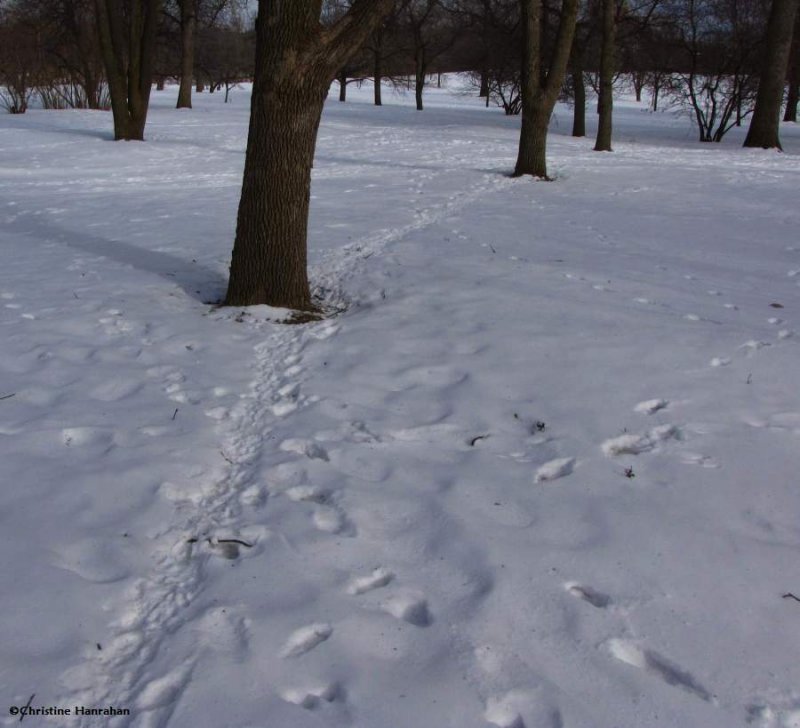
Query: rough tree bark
x=188 y=33
x=539 y=95
x=794 y=73
x=765 y=122
x=605 y=101
x=296 y=61
x=129 y=66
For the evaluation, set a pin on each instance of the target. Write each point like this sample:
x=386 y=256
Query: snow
x=414 y=513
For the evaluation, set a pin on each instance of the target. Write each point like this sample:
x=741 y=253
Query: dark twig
x=175 y=413
x=8 y=396
x=476 y=439
x=235 y=540
x=789 y=595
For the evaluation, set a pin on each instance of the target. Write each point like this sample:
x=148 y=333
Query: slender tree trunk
x=342 y=85
x=377 y=73
x=484 y=87
x=160 y=82
x=419 y=80
x=605 y=101
x=188 y=31
x=794 y=74
x=129 y=66
x=199 y=87
x=579 y=111
x=765 y=122
x=539 y=92
x=295 y=62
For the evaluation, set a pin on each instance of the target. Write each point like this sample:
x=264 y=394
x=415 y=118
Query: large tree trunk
x=129 y=70
x=539 y=94
x=579 y=111
x=296 y=60
x=605 y=101
x=765 y=122
x=188 y=32
x=794 y=73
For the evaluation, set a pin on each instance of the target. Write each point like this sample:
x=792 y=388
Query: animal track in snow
x=304 y=447
x=587 y=594
x=311 y=698
x=694 y=458
x=653 y=663
x=331 y=520
x=306 y=638
x=651 y=406
x=554 y=469
x=538 y=709
x=636 y=444
x=308 y=494
x=380 y=577
x=410 y=607
x=753 y=346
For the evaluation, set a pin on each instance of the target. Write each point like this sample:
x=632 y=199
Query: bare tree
x=764 y=126
x=128 y=54
x=716 y=47
x=20 y=62
x=296 y=60
x=539 y=89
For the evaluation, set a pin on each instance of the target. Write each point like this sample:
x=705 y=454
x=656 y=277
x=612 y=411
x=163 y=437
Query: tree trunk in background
x=296 y=60
x=605 y=101
x=199 y=87
x=539 y=95
x=377 y=74
x=129 y=67
x=579 y=112
x=794 y=73
x=765 y=122
x=484 y=88
x=343 y=86
x=188 y=31
x=419 y=77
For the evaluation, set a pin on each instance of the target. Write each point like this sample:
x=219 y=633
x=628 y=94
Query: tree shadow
x=197 y=281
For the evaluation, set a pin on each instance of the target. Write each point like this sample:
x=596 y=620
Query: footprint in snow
x=411 y=608
x=694 y=458
x=752 y=346
x=630 y=444
x=596 y=598
x=331 y=520
x=380 y=577
x=554 y=469
x=308 y=448
x=657 y=665
x=306 y=639
x=313 y=697
x=523 y=709
x=651 y=406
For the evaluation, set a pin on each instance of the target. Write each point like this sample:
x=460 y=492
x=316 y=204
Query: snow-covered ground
x=542 y=472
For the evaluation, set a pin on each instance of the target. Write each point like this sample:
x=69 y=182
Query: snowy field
x=541 y=472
